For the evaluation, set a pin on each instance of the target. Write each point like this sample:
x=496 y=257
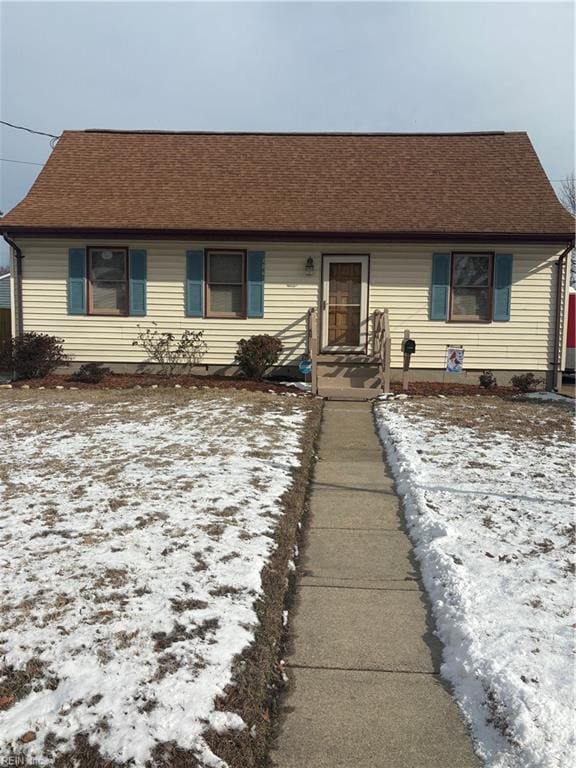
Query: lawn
x=488 y=492
x=139 y=531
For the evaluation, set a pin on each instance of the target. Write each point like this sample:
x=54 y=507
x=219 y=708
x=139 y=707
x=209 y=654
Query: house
x=457 y=238
x=570 y=362
x=5 y=314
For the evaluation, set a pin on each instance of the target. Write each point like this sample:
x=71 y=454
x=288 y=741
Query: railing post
x=375 y=315
x=312 y=347
x=388 y=342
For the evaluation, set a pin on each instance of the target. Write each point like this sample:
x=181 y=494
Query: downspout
x=559 y=325
x=18 y=255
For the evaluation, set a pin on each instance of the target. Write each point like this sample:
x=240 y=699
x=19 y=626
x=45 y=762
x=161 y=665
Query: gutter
x=303 y=235
x=18 y=255
x=559 y=325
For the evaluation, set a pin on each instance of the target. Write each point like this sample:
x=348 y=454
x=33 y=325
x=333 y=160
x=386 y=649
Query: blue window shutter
x=195 y=283
x=440 y=290
x=76 y=281
x=255 y=303
x=137 y=273
x=502 y=286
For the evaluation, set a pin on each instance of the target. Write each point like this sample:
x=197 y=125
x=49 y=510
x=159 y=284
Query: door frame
x=364 y=260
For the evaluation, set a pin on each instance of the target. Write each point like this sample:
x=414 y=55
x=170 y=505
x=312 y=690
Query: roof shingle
x=293 y=183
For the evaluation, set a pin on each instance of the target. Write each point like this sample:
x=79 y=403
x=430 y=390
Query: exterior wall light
x=309 y=267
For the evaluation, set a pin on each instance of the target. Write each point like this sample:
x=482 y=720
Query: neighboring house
x=5 y=314
x=570 y=362
x=459 y=236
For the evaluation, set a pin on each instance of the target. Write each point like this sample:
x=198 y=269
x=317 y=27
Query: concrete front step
x=347 y=370
x=346 y=359
x=348 y=373
x=347 y=392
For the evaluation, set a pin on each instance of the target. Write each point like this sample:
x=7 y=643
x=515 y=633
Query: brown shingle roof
x=293 y=183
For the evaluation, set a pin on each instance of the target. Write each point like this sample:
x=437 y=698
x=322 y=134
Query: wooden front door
x=344 y=303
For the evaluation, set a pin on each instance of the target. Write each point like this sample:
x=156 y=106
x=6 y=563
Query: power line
x=29 y=162
x=22 y=162
x=29 y=130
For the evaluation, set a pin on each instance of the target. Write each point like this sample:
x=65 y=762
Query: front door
x=344 y=303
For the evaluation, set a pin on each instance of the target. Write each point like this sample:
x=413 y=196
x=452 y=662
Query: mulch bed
x=431 y=388
x=131 y=380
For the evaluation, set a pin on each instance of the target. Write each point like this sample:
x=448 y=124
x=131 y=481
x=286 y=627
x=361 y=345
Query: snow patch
x=134 y=539
x=492 y=523
x=303 y=386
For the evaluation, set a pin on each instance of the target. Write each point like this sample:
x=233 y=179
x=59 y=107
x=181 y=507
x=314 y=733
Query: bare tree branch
x=567 y=193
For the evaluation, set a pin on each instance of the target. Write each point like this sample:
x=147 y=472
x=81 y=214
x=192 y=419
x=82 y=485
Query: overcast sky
x=292 y=66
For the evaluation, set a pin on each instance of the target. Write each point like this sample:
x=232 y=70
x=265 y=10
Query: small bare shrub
x=170 y=352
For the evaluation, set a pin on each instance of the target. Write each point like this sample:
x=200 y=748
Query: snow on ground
x=489 y=502
x=304 y=386
x=544 y=396
x=134 y=531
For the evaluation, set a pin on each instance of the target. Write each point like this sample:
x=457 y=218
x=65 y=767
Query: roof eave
x=21 y=230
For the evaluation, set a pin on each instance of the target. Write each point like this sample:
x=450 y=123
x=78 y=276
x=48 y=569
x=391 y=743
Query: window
x=108 y=281
x=226 y=284
x=471 y=298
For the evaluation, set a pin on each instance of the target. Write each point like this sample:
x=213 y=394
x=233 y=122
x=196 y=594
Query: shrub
x=487 y=380
x=169 y=352
x=91 y=373
x=526 y=382
x=5 y=355
x=256 y=354
x=32 y=355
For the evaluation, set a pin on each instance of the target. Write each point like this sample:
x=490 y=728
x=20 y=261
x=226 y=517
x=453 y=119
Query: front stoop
x=348 y=377
x=366 y=689
x=347 y=393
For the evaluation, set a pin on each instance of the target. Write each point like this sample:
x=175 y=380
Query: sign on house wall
x=454 y=359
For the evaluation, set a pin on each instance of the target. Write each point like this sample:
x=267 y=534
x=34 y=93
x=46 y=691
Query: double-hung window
x=225 y=283
x=108 y=281
x=471 y=292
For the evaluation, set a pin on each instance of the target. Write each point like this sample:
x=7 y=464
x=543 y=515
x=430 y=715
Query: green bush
x=91 y=373
x=257 y=354
x=32 y=355
x=526 y=382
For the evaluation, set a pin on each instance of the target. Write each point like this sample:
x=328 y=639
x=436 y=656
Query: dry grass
x=546 y=421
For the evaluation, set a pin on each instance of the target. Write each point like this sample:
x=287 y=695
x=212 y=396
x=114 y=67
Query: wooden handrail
x=312 y=346
x=381 y=341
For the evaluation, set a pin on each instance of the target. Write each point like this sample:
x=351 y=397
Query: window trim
x=468 y=319
x=207 y=283
x=89 y=294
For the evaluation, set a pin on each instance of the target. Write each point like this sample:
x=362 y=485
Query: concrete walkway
x=366 y=691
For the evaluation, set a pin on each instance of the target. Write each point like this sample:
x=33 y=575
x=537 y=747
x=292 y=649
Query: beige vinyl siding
x=288 y=293
x=399 y=280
